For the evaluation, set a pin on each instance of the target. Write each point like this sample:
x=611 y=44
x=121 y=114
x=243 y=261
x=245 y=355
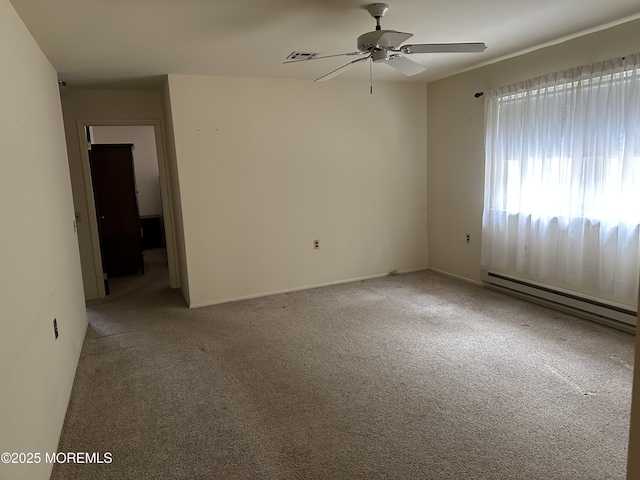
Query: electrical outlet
x=468 y=238
x=316 y=244
x=55 y=328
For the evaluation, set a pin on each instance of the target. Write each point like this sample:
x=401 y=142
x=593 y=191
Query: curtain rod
x=478 y=94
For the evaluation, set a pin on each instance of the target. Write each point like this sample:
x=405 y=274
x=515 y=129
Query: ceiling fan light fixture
x=379 y=56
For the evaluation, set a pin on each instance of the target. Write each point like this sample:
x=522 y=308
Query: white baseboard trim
x=306 y=287
x=453 y=275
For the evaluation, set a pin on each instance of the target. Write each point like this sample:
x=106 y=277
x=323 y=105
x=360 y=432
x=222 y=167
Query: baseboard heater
x=587 y=307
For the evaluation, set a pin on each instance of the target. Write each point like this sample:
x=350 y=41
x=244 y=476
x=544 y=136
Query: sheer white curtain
x=562 y=178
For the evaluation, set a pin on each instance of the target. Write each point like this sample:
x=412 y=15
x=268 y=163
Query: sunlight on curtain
x=562 y=177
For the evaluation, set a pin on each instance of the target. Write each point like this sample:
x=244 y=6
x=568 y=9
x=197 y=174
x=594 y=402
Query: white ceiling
x=129 y=43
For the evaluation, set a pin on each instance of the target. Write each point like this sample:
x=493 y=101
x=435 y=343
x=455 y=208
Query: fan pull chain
x=370 y=77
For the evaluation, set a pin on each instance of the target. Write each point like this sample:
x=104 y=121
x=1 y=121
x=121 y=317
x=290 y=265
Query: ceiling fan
x=383 y=46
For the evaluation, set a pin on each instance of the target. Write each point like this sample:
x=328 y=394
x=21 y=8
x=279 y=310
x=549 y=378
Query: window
x=562 y=178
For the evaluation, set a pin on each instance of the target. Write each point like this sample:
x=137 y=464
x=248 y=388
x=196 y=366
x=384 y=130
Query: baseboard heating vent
x=601 y=311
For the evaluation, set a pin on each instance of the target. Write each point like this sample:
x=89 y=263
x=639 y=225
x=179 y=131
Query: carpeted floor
x=416 y=376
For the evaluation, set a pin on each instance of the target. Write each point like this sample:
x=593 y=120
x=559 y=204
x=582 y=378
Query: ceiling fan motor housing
x=381 y=40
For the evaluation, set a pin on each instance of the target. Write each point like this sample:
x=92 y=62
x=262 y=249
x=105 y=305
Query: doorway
x=151 y=194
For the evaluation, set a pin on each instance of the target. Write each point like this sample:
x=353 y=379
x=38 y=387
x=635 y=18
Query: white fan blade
x=339 y=70
x=391 y=38
x=476 y=47
x=350 y=54
x=404 y=65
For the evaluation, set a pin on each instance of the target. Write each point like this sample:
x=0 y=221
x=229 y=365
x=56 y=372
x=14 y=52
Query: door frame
x=165 y=196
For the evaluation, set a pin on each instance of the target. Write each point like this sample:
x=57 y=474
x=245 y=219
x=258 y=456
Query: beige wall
x=175 y=189
x=267 y=166
x=40 y=275
x=95 y=107
x=456 y=142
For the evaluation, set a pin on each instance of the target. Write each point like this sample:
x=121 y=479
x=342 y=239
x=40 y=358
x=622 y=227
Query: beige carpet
x=416 y=376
